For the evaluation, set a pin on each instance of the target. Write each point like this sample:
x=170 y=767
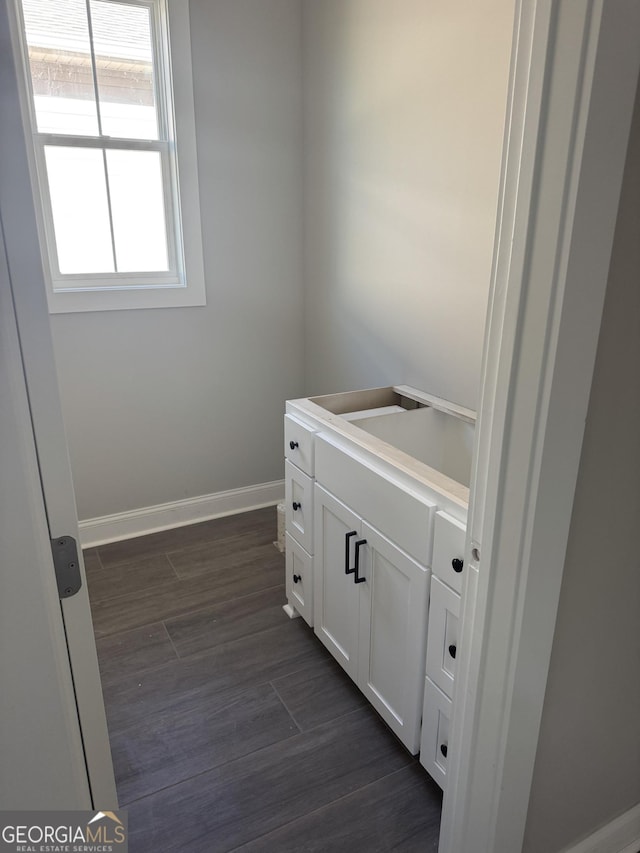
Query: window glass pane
x=124 y=66
x=60 y=64
x=80 y=209
x=137 y=206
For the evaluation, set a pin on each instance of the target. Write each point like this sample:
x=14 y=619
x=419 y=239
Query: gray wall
x=172 y=403
x=404 y=115
x=588 y=761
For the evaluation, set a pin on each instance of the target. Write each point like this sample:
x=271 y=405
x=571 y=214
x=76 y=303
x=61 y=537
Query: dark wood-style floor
x=231 y=727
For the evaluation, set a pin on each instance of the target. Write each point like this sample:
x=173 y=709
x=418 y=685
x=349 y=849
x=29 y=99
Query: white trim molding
x=622 y=835
x=573 y=80
x=152 y=519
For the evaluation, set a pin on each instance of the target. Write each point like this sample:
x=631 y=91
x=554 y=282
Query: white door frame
x=573 y=80
x=32 y=316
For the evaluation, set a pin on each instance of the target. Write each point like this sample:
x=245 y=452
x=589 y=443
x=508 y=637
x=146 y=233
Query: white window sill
x=74 y=301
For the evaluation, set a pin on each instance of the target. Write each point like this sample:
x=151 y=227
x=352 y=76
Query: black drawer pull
x=443 y=749
x=347 y=537
x=452 y=650
x=457 y=564
x=297 y=578
x=357 y=578
x=296 y=505
x=293 y=444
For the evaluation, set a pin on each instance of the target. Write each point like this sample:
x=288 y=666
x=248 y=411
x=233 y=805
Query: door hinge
x=67 y=565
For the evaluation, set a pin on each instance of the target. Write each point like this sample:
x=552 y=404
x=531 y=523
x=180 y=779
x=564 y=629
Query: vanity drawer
x=434 y=741
x=299 y=578
x=298 y=493
x=298 y=444
x=442 y=642
x=448 y=550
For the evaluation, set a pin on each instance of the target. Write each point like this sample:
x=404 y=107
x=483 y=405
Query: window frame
x=184 y=284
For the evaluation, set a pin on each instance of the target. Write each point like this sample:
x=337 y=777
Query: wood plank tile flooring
x=231 y=727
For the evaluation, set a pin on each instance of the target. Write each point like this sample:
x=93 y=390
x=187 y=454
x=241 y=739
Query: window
x=119 y=209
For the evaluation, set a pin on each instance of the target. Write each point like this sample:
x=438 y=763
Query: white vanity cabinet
x=370 y=611
x=376 y=503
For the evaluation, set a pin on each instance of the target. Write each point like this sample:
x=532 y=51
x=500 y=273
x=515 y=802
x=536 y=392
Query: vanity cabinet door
x=336 y=595
x=299 y=578
x=443 y=636
x=434 y=744
x=448 y=550
x=298 y=496
x=298 y=444
x=394 y=601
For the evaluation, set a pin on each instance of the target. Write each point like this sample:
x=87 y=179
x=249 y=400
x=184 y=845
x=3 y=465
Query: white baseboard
x=151 y=519
x=622 y=835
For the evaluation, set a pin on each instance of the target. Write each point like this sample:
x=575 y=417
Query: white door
x=40 y=741
x=394 y=604
x=336 y=594
x=32 y=367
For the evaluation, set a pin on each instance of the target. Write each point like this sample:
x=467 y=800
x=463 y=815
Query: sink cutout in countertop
x=436 y=438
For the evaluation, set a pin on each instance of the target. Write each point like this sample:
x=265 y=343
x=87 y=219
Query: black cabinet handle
x=452 y=650
x=457 y=564
x=296 y=505
x=347 y=537
x=297 y=578
x=357 y=578
x=443 y=749
x=293 y=444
